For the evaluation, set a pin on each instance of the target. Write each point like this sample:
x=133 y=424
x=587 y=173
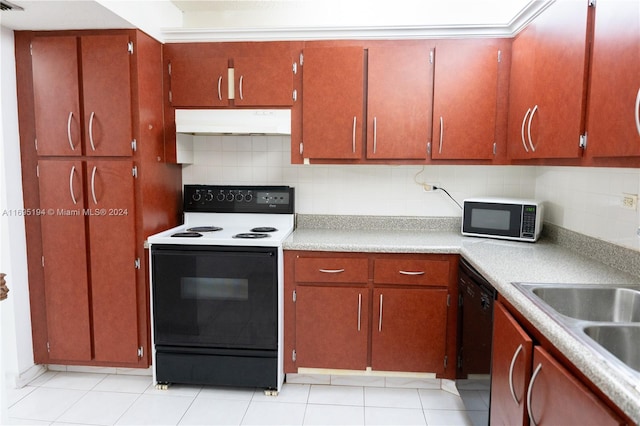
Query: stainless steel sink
x=592 y=304
x=621 y=340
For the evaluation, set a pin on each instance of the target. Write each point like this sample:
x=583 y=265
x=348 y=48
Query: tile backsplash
x=586 y=200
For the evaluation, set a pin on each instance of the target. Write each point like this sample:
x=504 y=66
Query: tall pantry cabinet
x=96 y=184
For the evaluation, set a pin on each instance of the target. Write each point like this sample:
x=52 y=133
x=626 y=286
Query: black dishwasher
x=475 y=322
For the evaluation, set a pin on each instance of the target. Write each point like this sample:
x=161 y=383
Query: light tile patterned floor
x=63 y=397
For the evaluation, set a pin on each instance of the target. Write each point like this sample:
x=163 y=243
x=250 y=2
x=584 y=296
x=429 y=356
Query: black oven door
x=215 y=297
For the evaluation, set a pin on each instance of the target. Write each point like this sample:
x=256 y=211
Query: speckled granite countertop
x=553 y=259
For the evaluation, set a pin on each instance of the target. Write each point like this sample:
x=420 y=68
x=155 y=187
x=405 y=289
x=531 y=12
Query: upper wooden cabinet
x=613 y=120
x=396 y=90
x=82 y=95
x=224 y=80
x=466 y=98
x=548 y=84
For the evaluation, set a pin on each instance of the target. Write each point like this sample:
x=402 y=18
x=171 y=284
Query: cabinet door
x=56 y=96
x=399 y=101
x=557 y=397
x=263 y=81
x=409 y=330
x=199 y=82
x=106 y=88
x=510 y=370
x=554 y=117
x=333 y=103
x=65 y=260
x=613 y=125
x=332 y=326
x=465 y=99
x=113 y=253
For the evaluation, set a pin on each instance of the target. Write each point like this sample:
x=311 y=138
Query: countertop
x=502 y=263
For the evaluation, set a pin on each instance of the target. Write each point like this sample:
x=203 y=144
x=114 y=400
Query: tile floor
x=62 y=397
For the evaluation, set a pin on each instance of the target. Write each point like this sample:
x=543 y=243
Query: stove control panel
x=238 y=199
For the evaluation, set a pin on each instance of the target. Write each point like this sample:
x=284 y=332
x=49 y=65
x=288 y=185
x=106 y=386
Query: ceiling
x=218 y=20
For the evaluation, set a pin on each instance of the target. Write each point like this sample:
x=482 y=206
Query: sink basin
x=589 y=303
x=620 y=340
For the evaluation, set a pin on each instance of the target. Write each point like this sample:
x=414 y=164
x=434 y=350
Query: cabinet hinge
x=495 y=148
x=592 y=3
x=130 y=48
x=42 y=260
x=134 y=171
x=295 y=95
x=35 y=141
x=446 y=361
x=583 y=141
x=293 y=355
x=431 y=56
x=301 y=148
x=169 y=66
x=140 y=352
x=170 y=96
x=301 y=59
x=448 y=300
x=295 y=68
x=136 y=263
x=499 y=56
x=429 y=148
x=48 y=347
x=31 y=49
x=295 y=296
x=134 y=145
x=37 y=171
x=459 y=361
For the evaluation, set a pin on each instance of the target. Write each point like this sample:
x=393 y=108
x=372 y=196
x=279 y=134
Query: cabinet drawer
x=411 y=272
x=331 y=269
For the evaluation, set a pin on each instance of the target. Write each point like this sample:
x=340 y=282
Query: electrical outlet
x=428 y=187
x=630 y=201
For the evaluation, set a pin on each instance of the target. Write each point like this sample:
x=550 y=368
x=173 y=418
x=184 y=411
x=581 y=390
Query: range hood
x=233 y=121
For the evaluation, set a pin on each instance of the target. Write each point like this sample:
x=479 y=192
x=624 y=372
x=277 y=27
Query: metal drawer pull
x=524 y=120
x=93 y=184
x=380 y=320
x=375 y=134
x=513 y=363
x=73 y=172
x=359 y=309
x=73 y=148
x=353 y=136
x=93 y=114
x=533 y=112
x=441 y=134
x=331 y=271
x=638 y=112
x=530 y=391
x=219 y=88
x=411 y=272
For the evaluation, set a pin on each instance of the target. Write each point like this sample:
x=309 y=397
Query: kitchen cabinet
x=258 y=81
x=548 y=84
x=530 y=386
x=88 y=284
x=466 y=98
x=358 y=310
x=613 y=117
x=89 y=75
x=397 y=86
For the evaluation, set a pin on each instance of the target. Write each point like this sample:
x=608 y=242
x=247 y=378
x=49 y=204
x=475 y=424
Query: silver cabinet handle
x=530 y=391
x=380 y=319
x=441 y=134
x=73 y=172
x=524 y=120
x=638 y=112
x=93 y=147
x=353 y=136
x=533 y=112
x=93 y=184
x=411 y=272
x=220 y=88
x=513 y=363
x=73 y=148
x=375 y=134
x=240 y=86
x=331 y=271
x=359 y=309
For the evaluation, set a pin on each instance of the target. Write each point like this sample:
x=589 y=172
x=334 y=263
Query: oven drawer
x=411 y=272
x=331 y=270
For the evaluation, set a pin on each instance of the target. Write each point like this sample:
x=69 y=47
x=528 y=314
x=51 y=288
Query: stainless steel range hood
x=233 y=121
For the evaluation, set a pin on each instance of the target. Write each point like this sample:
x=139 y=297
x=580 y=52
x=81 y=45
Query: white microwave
x=503 y=218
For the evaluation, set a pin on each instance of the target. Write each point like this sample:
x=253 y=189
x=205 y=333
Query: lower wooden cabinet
x=354 y=311
x=530 y=386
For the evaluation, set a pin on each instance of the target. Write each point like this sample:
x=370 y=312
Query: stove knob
x=229 y=197
x=220 y=196
x=196 y=196
x=248 y=198
x=208 y=196
x=239 y=197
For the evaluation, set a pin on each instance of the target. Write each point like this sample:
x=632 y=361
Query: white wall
x=583 y=199
x=15 y=319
